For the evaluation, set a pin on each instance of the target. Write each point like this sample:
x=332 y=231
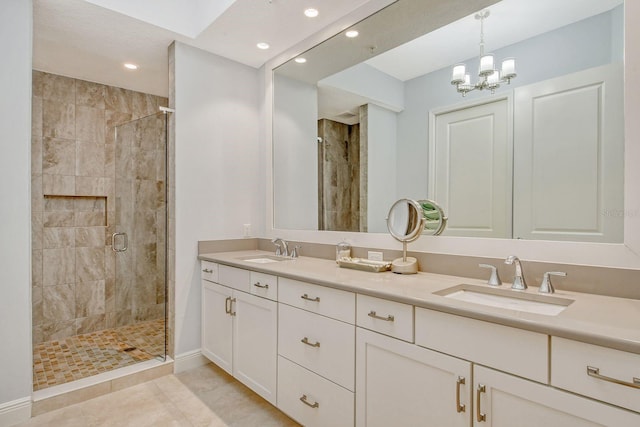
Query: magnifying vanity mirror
x=435 y=219
x=406 y=222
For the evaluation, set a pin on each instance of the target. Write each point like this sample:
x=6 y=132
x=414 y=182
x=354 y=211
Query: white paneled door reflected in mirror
x=541 y=158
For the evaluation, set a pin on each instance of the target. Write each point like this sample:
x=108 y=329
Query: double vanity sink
x=481 y=295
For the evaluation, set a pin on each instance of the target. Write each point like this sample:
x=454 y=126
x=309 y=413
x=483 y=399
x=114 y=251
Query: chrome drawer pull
x=303 y=399
x=305 y=296
x=231 y=301
x=227 y=305
x=206 y=270
x=389 y=318
x=480 y=417
x=258 y=285
x=305 y=340
x=460 y=407
x=595 y=373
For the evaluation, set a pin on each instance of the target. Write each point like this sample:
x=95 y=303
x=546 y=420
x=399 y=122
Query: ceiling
x=92 y=39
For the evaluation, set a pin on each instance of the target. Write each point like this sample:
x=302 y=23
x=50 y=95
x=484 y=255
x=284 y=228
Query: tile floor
x=205 y=396
x=81 y=356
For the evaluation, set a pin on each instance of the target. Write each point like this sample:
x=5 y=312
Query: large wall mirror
x=365 y=121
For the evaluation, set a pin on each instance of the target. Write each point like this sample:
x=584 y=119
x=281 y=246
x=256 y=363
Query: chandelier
x=489 y=77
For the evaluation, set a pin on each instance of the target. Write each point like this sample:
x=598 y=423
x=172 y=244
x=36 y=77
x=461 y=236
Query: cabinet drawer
x=209 y=271
x=569 y=362
x=523 y=353
x=387 y=317
x=312 y=400
x=320 y=344
x=235 y=278
x=329 y=302
x=264 y=285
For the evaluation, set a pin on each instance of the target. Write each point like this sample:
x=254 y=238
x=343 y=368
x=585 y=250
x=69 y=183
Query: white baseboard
x=15 y=412
x=189 y=360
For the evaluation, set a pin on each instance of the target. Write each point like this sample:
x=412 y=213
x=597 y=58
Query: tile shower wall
x=339 y=176
x=74 y=207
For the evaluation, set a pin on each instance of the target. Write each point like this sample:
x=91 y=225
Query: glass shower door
x=139 y=237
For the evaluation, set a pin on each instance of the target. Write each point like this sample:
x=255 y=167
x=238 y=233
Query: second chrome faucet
x=518 y=279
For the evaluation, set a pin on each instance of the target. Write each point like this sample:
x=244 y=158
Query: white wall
x=15 y=211
x=217 y=166
x=381 y=158
x=295 y=161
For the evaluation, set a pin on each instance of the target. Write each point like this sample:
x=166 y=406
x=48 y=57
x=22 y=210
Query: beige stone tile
x=90 y=219
x=90 y=324
x=58 y=204
x=58 y=219
x=57 y=88
x=89 y=265
x=37 y=82
x=37 y=316
x=89 y=237
x=37 y=230
x=58 y=266
x=36 y=267
x=58 y=156
x=109 y=298
x=89 y=159
x=90 y=124
x=58 y=237
x=37 y=200
x=89 y=298
x=89 y=186
x=142 y=377
x=58 y=330
x=58 y=303
x=71 y=398
x=58 y=120
x=90 y=94
x=113 y=118
x=118 y=100
x=71 y=416
x=58 y=184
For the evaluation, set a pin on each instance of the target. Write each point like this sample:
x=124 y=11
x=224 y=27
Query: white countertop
x=596 y=319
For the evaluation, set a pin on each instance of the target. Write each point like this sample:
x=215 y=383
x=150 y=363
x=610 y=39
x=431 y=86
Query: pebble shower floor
x=81 y=356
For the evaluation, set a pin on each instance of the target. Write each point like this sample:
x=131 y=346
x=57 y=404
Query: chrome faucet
x=518 y=279
x=282 y=249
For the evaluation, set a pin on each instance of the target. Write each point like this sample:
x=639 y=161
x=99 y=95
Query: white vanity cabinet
x=401 y=384
x=239 y=330
x=515 y=392
x=316 y=354
x=503 y=400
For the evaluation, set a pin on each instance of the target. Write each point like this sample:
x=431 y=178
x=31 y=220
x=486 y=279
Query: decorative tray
x=364 y=264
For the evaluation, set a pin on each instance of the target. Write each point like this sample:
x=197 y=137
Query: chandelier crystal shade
x=489 y=77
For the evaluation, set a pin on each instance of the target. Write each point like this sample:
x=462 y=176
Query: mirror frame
x=614 y=255
x=417 y=230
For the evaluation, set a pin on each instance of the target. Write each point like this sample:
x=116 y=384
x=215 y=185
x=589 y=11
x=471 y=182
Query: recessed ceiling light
x=301 y=60
x=130 y=66
x=351 y=33
x=311 y=13
x=263 y=45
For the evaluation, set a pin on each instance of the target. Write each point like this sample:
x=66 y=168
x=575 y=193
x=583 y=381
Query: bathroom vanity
x=338 y=347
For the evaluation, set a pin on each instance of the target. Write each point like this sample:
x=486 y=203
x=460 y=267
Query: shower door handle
x=125 y=242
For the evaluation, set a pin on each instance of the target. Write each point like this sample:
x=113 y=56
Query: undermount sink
x=264 y=259
x=507 y=298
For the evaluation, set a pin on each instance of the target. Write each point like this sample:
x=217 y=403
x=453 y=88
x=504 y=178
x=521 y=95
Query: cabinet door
x=217 y=324
x=400 y=384
x=503 y=400
x=254 y=343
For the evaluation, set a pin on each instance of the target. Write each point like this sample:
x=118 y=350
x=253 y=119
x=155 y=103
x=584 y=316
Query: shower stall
x=99 y=229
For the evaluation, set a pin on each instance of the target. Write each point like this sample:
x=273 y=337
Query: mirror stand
x=404 y=265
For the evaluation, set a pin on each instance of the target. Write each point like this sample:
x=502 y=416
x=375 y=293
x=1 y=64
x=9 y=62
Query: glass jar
x=343 y=250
